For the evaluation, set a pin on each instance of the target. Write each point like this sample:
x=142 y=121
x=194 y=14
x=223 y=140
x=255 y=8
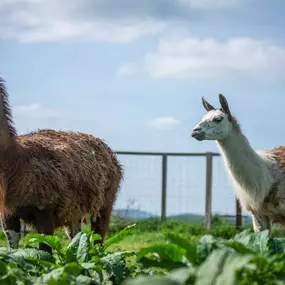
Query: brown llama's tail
x=7 y=129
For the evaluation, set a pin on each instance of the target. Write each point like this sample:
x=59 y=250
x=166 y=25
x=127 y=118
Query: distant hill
x=246 y=219
x=133 y=214
x=187 y=217
x=190 y=217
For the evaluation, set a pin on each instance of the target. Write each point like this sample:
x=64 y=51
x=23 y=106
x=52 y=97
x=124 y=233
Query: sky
x=133 y=73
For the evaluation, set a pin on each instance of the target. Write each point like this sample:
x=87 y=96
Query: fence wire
x=140 y=194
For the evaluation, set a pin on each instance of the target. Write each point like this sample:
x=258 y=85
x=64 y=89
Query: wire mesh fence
x=188 y=191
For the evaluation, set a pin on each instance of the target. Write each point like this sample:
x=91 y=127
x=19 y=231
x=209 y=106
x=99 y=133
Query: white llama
x=258 y=177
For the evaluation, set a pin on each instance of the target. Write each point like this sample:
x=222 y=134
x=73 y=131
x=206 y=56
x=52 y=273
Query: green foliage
x=119 y=236
x=244 y=258
x=78 y=249
x=225 y=262
x=52 y=241
x=190 y=248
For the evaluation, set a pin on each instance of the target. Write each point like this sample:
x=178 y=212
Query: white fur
x=213 y=130
x=250 y=170
x=253 y=173
x=72 y=230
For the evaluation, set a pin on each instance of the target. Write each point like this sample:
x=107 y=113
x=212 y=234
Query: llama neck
x=7 y=129
x=249 y=170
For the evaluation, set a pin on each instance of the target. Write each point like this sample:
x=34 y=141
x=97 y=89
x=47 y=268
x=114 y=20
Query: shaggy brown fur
x=53 y=178
x=279 y=155
x=72 y=173
x=275 y=200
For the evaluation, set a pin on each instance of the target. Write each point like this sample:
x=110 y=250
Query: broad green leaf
x=73 y=268
x=191 y=249
x=50 y=240
x=156 y=280
x=100 y=277
x=71 y=253
x=51 y=277
x=276 y=245
x=88 y=265
x=34 y=254
x=220 y=267
x=166 y=251
x=243 y=237
x=17 y=276
x=181 y=275
x=114 y=263
x=206 y=245
x=83 y=280
x=263 y=270
x=119 y=236
x=160 y=263
x=94 y=237
x=239 y=247
x=3 y=268
x=18 y=260
x=83 y=248
x=59 y=276
x=260 y=242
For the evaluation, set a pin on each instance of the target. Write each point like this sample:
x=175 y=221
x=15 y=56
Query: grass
x=151 y=231
x=138 y=241
x=147 y=232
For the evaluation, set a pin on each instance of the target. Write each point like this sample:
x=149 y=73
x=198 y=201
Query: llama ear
x=207 y=105
x=225 y=106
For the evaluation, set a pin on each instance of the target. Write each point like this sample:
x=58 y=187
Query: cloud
x=34 y=111
x=210 y=4
x=95 y=20
x=57 y=20
x=127 y=69
x=208 y=58
x=35 y=116
x=164 y=123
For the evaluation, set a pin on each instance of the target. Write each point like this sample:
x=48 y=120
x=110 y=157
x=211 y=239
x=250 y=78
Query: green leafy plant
x=244 y=258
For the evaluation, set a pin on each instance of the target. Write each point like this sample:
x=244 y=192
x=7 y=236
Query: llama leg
x=45 y=225
x=73 y=229
x=100 y=224
x=12 y=228
x=260 y=223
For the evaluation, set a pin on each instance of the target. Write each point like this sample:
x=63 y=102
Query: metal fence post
x=208 y=206
x=238 y=215
x=163 y=187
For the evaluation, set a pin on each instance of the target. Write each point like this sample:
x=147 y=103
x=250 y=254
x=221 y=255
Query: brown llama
x=53 y=179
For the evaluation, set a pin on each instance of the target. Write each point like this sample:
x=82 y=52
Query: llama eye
x=218 y=119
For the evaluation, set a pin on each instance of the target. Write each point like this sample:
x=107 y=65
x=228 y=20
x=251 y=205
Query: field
x=148 y=253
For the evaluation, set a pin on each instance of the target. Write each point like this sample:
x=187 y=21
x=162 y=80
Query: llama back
x=278 y=154
x=273 y=205
x=70 y=173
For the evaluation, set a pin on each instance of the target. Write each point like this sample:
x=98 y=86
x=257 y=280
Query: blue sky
x=133 y=73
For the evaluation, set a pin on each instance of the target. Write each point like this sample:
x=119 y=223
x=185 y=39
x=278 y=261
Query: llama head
x=216 y=124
